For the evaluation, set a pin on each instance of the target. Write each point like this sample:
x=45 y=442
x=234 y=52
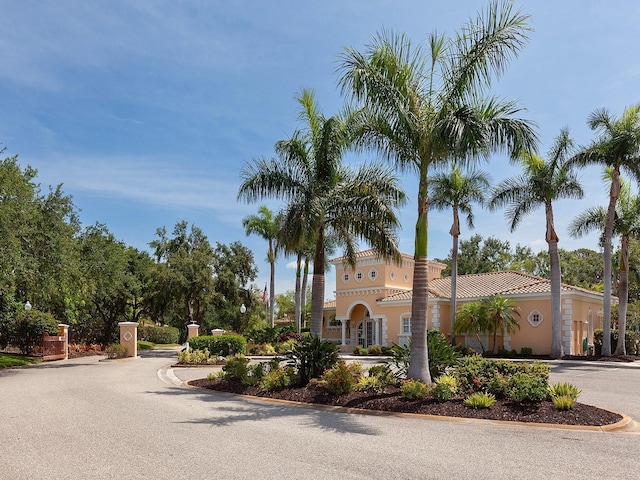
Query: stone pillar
x=217 y=331
x=343 y=322
x=376 y=331
x=129 y=337
x=193 y=330
x=63 y=331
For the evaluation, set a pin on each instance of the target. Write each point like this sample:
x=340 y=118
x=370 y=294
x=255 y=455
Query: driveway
x=129 y=419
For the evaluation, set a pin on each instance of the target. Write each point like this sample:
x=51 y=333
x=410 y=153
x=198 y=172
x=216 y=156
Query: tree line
x=87 y=278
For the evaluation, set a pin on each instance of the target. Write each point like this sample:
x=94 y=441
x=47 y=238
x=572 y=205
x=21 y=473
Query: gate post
x=129 y=337
x=193 y=330
x=63 y=331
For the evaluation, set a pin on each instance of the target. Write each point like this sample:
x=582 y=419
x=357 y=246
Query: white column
x=376 y=331
x=343 y=322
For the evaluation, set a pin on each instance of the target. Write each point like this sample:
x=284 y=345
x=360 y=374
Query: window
x=406 y=325
x=345 y=278
x=359 y=276
x=406 y=277
x=392 y=275
x=535 y=318
x=373 y=273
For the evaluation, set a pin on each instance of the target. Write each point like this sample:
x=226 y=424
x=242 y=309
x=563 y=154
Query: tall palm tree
x=626 y=224
x=267 y=225
x=542 y=182
x=456 y=191
x=618 y=147
x=325 y=196
x=422 y=109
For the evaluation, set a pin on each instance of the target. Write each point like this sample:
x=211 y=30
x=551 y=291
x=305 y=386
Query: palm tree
x=541 y=183
x=421 y=110
x=325 y=197
x=618 y=147
x=626 y=224
x=267 y=225
x=500 y=313
x=471 y=318
x=457 y=191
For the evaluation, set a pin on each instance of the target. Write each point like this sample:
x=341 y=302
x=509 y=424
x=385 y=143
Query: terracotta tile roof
x=486 y=284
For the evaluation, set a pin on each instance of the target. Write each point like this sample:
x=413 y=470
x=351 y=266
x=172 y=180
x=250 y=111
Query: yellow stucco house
x=373 y=306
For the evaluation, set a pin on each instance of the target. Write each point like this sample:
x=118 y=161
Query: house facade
x=373 y=306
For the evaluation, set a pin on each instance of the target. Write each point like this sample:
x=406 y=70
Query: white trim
x=533 y=323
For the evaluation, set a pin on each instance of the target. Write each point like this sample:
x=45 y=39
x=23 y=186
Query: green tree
x=183 y=277
x=617 y=147
x=626 y=223
x=268 y=226
x=326 y=197
x=542 y=182
x=233 y=270
x=422 y=109
x=457 y=191
x=489 y=315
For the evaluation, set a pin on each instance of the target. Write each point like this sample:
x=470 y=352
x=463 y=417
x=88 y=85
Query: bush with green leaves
x=261 y=349
x=116 y=351
x=160 y=335
x=264 y=334
x=480 y=400
x=526 y=351
x=220 y=345
x=400 y=359
x=525 y=388
x=236 y=368
x=564 y=402
x=342 y=378
x=284 y=347
x=375 y=350
x=278 y=378
x=561 y=389
x=371 y=384
x=311 y=357
x=444 y=388
x=27 y=327
x=441 y=353
x=414 y=390
x=359 y=350
x=193 y=357
x=384 y=373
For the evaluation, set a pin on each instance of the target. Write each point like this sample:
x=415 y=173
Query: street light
x=27 y=306
x=243 y=310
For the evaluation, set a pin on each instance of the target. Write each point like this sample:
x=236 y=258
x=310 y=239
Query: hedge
x=220 y=345
x=162 y=335
x=632 y=341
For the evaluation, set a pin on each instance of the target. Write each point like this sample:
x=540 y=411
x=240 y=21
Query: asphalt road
x=131 y=419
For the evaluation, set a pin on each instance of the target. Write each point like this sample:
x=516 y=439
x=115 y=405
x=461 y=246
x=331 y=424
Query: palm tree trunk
x=614 y=193
x=272 y=288
x=556 y=279
x=317 y=287
x=297 y=292
x=623 y=295
x=455 y=233
x=303 y=293
x=419 y=363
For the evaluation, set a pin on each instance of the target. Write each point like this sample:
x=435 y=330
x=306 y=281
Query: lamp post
x=27 y=306
x=243 y=310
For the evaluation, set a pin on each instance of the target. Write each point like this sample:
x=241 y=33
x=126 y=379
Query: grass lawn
x=8 y=360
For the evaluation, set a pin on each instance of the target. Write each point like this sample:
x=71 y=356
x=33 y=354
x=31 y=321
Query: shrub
x=564 y=389
x=236 y=368
x=525 y=388
x=221 y=345
x=526 y=351
x=400 y=359
x=480 y=400
x=441 y=353
x=262 y=335
x=340 y=379
x=504 y=353
x=284 y=347
x=312 y=357
x=375 y=350
x=162 y=335
x=371 y=384
x=564 y=402
x=444 y=388
x=287 y=335
x=414 y=390
x=277 y=379
x=359 y=350
x=260 y=349
x=116 y=351
x=193 y=357
x=384 y=373
x=27 y=328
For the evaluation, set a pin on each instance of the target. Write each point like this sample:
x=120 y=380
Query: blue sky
x=146 y=110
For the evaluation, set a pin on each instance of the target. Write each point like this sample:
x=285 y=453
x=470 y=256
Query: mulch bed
x=392 y=401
